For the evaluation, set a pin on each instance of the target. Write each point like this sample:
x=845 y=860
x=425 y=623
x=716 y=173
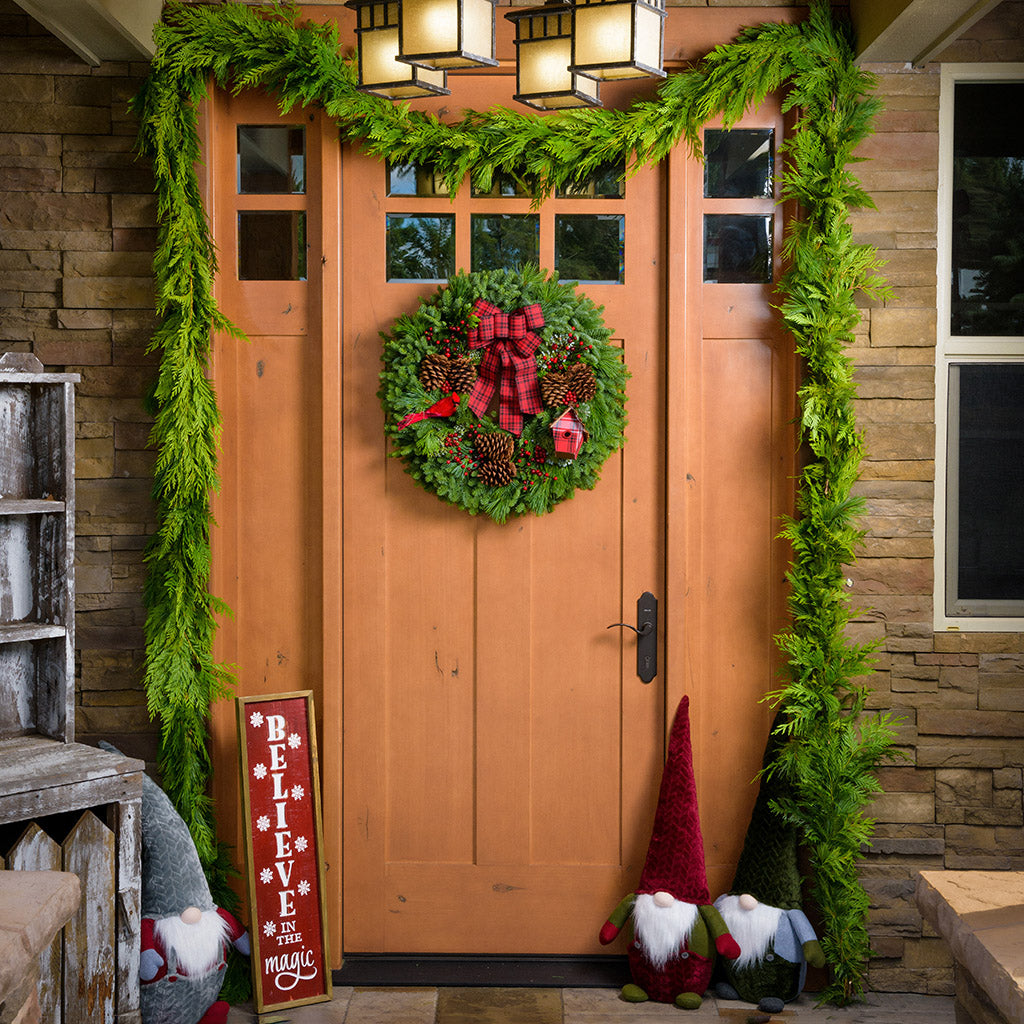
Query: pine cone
x=494 y=447
x=461 y=375
x=581 y=383
x=434 y=371
x=496 y=473
x=553 y=388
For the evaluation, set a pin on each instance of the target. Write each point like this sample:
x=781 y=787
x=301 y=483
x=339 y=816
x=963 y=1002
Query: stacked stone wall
x=77 y=234
x=956 y=801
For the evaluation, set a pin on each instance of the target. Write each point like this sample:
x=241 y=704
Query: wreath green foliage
x=832 y=746
x=439 y=453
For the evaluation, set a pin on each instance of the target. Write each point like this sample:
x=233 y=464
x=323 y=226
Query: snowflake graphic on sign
x=298 y=792
x=301 y=843
x=256 y=719
x=266 y=875
x=294 y=740
x=260 y=771
x=269 y=927
x=263 y=823
x=303 y=888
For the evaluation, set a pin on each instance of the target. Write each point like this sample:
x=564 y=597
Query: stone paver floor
x=578 y=1006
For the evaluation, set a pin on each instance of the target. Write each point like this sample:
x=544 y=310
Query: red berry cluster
x=456 y=451
x=561 y=351
x=530 y=463
x=450 y=341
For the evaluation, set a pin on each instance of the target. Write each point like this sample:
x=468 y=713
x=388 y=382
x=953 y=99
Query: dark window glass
x=987 y=486
x=504 y=240
x=607 y=182
x=413 y=180
x=503 y=185
x=271 y=158
x=738 y=163
x=590 y=247
x=987 y=280
x=420 y=248
x=272 y=245
x=737 y=248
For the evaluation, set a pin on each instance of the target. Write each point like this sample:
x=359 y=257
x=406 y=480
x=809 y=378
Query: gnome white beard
x=662 y=931
x=197 y=947
x=754 y=930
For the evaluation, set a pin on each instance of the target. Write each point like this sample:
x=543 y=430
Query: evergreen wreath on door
x=502 y=393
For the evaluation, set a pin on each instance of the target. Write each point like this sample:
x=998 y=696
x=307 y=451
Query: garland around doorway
x=831 y=745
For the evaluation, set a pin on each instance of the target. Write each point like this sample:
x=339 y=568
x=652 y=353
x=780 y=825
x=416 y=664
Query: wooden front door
x=491 y=760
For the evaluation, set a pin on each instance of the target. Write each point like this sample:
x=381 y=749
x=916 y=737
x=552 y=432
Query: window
x=979 y=546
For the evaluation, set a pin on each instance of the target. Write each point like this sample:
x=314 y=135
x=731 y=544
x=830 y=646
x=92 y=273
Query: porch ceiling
x=911 y=31
x=99 y=30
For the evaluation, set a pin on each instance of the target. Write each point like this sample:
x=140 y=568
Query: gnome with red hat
x=676 y=930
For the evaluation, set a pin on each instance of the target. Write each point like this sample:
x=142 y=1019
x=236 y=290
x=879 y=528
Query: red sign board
x=284 y=855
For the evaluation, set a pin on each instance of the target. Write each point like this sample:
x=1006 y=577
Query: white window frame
x=954 y=349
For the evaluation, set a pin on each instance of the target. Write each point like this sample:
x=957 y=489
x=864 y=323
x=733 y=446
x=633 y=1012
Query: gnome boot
x=634 y=994
x=771 y=1004
x=688 y=1001
x=216 y=1014
x=725 y=991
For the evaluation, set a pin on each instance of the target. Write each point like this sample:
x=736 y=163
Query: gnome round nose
x=664 y=899
x=747 y=902
x=191 y=915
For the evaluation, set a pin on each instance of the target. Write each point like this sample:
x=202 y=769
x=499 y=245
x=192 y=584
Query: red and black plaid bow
x=508 y=362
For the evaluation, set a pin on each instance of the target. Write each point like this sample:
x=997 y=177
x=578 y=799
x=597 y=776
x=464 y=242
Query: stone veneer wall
x=956 y=802
x=77 y=233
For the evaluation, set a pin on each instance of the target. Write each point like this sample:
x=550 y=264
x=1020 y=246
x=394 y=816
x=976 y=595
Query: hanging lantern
x=380 y=72
x=543 y=53
x=444 y=34
x=617 y=38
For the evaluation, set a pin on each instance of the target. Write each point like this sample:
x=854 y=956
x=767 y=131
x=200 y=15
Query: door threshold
x=397 y=970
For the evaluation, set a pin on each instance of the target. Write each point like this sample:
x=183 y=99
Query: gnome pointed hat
x=767 y=867
x=675 y=854
x=172 y=875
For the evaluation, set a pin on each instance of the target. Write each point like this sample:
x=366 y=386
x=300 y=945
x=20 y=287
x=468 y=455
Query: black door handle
x=646 y=630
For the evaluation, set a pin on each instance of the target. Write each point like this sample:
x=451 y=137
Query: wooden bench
x=980 y=914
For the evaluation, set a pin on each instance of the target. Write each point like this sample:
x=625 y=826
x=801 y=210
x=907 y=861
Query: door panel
x=518 y=753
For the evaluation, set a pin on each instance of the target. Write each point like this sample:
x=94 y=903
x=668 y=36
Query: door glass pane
x=737 y=248
x=504 y=240
x=413 y=180
x=272 y=245
x=987 y=487
x=738 y=163
x=987 y=281
x=420 y=248
x=590 y=247
x=271 y=158
x=502 y=185
x=607 y=182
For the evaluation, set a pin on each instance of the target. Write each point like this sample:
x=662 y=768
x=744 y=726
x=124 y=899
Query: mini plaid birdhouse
x=568 y=433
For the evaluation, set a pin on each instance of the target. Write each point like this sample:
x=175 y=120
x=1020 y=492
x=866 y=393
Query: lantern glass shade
x=614 y=39
x=445 y=34
x=380 y=72
x=543 y=53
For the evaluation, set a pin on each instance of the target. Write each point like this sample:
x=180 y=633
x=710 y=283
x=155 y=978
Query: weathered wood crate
x=44 y=775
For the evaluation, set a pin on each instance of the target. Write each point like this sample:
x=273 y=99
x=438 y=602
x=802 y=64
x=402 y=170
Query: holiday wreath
x=501 y=393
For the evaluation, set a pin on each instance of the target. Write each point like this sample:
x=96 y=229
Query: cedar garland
x=832 y=747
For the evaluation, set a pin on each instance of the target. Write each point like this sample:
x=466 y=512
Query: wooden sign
x=284 y=849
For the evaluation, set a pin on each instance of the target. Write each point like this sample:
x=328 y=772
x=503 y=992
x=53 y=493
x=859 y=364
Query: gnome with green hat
x=762 y=909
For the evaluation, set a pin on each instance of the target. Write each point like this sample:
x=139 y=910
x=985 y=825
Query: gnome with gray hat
x=762 y=909
x=185 y=938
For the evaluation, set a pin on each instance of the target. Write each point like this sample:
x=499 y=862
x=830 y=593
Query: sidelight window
x=979 y=549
